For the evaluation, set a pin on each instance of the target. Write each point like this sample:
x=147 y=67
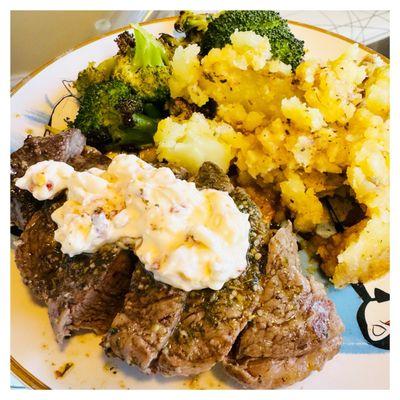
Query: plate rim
x=17 y=369
x=36 y=71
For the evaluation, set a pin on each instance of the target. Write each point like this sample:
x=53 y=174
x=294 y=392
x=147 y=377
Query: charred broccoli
x=179 y=107
x=145 y=68
x=93 y=74
x=127 y=107
x=125 y=42
x=170 y=43
x=141 y=62
x=192 y=25
x=284 y=45
x=111 y=116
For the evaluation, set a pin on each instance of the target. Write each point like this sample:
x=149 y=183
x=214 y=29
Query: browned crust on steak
x=91 y=291
x=295 y=313
x=22 y=206
x=82 y=292
x=272 y=373
x=60 y=147
x=295 y=329
x=210 y=176
x=37 y=254
x=212 y=320
x=206 y=331
x=89 y=158
x=150 y=313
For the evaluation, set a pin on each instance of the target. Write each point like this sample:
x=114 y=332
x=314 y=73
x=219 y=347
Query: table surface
x=366 y=27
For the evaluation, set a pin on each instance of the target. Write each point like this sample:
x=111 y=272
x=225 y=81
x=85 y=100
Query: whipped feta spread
x=45 y=179
x=188 y=238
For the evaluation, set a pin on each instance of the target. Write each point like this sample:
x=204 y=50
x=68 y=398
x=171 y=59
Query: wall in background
x=38 y=36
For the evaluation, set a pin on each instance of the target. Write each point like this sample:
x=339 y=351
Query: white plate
x=35 y=354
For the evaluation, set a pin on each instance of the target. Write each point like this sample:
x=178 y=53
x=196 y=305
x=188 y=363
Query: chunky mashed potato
x=191 y=142
x=305 y=133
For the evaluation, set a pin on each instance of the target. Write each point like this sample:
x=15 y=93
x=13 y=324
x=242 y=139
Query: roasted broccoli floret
x=141 y=62
x=284 y=45
x=192 y=25
x=125 y=42
x=112 y=116
x=181 y=108
x=93 y=74
x=146 y=68
x=170 y=43
x=127 y=107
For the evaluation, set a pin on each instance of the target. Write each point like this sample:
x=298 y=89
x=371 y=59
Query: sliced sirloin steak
x=38 y=254
x=89 y=158
x=212 y=320
x=152 y=309
x=91 y=291
x=60 y=147
x=84 y=291
x=150 y=313
x=295 y=329
x=272 y=373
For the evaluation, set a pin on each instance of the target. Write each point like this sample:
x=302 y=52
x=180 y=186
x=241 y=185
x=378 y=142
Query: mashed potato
x=242 y=73
x=186 y=72
x=360 y=253
x=305 y=133
x=189 y=143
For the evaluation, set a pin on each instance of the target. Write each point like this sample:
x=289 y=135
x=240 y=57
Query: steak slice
x=150 y=313
x=152 y=309
x=272 y=373
x=81 y=292
x=91 y=290
x=38 y=255
x=295 y=329
x=212 y=320
x=89 y=158
x=60 y=147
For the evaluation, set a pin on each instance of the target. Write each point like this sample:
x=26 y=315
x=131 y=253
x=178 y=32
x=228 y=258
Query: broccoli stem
x=152 y=111
x=141 y=133
x=144 y=123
